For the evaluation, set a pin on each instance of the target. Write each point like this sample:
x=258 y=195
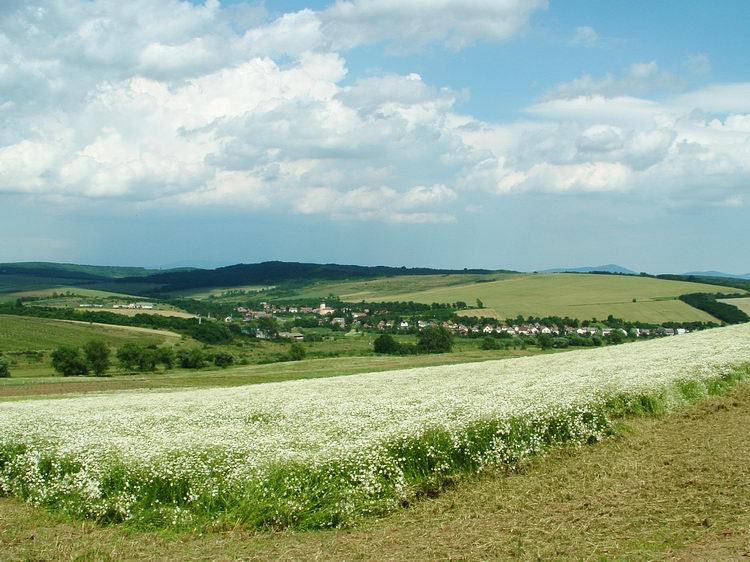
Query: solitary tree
x=69 y=362
x=4 y=369
x=97 y=356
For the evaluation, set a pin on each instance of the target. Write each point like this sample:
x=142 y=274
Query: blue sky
x=519 y=134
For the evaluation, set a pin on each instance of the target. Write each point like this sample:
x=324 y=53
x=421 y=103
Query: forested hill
x=273 y=272
x=76 y=271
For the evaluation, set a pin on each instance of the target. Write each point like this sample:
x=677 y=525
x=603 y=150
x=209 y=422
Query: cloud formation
x=225 y=108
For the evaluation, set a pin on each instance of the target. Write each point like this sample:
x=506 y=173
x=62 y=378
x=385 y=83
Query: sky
x=500 y=134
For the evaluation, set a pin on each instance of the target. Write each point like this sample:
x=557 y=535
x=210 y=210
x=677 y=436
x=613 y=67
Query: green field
x=382 y=288
x=581 y=296
x=218 y=292
x=19 y=333
x=67 y=292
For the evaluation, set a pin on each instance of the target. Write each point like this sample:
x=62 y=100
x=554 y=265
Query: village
x=367 y=319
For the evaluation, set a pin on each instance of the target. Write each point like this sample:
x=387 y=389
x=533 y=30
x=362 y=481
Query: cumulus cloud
x=225 y=108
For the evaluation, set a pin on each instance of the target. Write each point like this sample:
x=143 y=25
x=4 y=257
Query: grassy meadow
x=20 y=333
x=582 y=296
x=68 y=292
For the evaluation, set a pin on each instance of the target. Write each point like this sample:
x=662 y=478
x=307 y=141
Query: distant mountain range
x=609 y=268
x=717 y=274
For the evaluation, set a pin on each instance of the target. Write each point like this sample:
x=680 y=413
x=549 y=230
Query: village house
x=324 y=310
x=296 y=336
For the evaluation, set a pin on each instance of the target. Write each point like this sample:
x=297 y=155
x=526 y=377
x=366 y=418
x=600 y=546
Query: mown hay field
x=327 y=452
x=742 y=304
x=582 y=296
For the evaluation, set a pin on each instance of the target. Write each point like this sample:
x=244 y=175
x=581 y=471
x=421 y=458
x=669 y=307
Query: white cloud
x=585 y=35
x=105 y=102
x=698 y=64
x=638 y=78
x=455 y=23
x=382 y=203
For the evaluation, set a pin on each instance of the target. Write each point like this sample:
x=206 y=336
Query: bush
x=211 y=332
x=297 y=352
x=191 y=358
x=435 y=339
x=489 y=343
x=4 y=369
x=165 y=356
x=135 y=357
x=96 y=353
x=69 y=362
x=560 y=343
x=616 y=337
x=386 y=344
x=223 y=359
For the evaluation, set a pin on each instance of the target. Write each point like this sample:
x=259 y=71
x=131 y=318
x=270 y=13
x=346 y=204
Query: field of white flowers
x=323 y=452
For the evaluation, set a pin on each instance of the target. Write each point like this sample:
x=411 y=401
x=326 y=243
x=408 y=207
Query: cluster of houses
x=359 y=320
x=138 y=305
x=271 y=309
x=132 y=305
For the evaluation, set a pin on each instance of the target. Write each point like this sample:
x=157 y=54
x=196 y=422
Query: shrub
x=297 y=352
x=4 y=369
x=211 y=332
x=133 y=356
x=560 y=343
x=223 y=359
x=69 y=362
x=489 y=343
x=165 y=356
x=191 y=358
x=96 y=353
x=386 y=344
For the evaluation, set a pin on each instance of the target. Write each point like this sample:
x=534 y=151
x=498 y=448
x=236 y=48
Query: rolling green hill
x=582 y=296
x=24 y=333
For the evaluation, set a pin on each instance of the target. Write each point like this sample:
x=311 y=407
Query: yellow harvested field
x=742 y=304
x=581 y=296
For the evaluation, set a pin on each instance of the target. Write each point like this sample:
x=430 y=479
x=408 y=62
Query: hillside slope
x=581 y=296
